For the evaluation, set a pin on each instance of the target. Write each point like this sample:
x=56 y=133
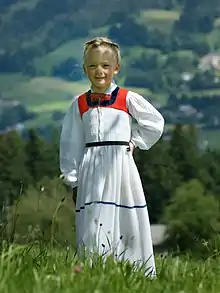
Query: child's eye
x=106 y=65
x=92 y=65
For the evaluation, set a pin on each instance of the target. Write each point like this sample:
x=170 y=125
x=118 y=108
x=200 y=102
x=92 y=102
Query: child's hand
x=132 y=147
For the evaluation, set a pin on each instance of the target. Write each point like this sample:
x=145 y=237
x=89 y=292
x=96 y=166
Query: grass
x=48 y=107
x=158 y=18
x=70 y=49
x=160 y=14
x=162 y=19
x=42 y=267
x=37 y=91
x=44 y=95
x=35 y=269
x=44 y=119
x=201 y=94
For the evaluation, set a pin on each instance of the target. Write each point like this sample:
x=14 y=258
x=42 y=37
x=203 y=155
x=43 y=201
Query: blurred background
x=170 y=54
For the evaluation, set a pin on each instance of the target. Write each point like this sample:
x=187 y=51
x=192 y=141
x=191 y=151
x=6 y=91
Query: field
x=46 y=94
x=152 y=18
x=73 y=48
x=48 y=270
x=42 y=268
x=43 y=95
x=160 y=19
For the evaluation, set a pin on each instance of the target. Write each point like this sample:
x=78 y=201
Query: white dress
x=111 y=210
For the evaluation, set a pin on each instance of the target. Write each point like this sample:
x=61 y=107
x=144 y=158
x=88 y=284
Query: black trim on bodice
x=103 y=100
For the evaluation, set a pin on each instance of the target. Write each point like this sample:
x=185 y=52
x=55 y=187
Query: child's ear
x=117 y=69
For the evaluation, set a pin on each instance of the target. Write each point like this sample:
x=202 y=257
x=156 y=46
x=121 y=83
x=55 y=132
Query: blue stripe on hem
x=111 y=203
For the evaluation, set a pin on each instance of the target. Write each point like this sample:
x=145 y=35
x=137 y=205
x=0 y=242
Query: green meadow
x=42 y=269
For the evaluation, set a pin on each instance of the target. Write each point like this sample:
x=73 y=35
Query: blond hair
x=102 y=42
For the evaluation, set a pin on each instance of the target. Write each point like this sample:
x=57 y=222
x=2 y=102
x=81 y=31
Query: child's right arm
x=72 y=144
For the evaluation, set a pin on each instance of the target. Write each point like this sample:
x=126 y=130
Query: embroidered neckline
x=96 y=99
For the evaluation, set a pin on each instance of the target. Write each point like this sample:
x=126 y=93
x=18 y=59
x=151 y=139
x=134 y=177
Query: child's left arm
x=150 y=123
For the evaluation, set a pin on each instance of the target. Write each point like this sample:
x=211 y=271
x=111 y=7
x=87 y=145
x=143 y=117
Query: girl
x=97 y=140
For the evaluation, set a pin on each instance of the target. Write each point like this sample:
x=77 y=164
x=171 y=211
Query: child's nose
x=99 y=69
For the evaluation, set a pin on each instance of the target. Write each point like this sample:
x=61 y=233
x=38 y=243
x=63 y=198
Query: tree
x=13 y=173
x=70 y=69
x=197 y=16
x=204 y=80
x=181 y=61
x=41 y=157
x=192 y=217
x=159 y=178
x=209 y=174
x=129 y=33
x=184 y=151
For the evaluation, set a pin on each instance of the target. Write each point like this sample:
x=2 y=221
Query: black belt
x=102 y=143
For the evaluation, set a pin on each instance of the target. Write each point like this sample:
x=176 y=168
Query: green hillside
x=41 y=44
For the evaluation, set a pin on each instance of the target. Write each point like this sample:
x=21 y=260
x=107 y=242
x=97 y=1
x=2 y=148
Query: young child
x=97 y=140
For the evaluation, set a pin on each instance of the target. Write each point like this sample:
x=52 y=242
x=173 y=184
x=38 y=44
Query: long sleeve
x=72 y=145
x=148 y=124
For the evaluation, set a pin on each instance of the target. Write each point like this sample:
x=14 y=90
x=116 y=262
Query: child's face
x=100 y=67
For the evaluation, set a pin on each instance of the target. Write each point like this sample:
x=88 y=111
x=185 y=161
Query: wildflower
x=77 y=269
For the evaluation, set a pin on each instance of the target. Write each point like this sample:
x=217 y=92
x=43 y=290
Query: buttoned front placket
x=99 y=109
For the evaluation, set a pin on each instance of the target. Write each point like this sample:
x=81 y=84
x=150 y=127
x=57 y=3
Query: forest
x=181 y=182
